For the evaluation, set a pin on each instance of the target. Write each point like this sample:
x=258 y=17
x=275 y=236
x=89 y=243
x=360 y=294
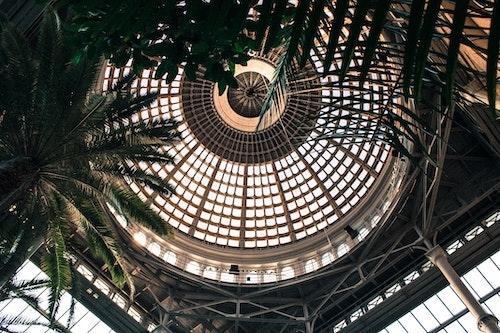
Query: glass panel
x=451 y=300
x=438 y=309
x=425 y=318
x=396 y=328
x=469 y=323
x=411 y=324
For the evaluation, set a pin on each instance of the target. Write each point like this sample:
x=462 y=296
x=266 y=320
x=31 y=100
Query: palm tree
x=65 y=153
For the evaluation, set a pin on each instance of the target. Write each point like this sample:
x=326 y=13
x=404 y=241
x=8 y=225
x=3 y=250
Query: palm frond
x=414 y=26
x=76 y=146
x=136 y=175
x=459 y=16
x=297 y=33
x=276 y=94
x=316 y=14
x=492 y=61
x=341 y=7
x=100 y=238
x=133 y=207
x=354 y=31
x=379 y=19
x=263 y=22
x=275 y=25
x=55 y=263
x=425 y=39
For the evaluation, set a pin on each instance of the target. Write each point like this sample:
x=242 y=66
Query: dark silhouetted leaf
x=338 y=22
x=354 y=30
x=492 y=62
x=264 y=18
x=426 y=34
x=274 y=28
x=298 y=28
x=459 y=15
x=414 y=25
x=312 y=27
x=379 y=18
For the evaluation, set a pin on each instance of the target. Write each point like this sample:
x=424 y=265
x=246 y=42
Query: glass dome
x=271 y=201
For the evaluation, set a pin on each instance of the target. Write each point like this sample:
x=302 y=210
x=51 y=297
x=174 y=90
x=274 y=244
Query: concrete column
x=486 y=322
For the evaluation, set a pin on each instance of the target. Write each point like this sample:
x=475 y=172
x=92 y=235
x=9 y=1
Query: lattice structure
x=291 y=183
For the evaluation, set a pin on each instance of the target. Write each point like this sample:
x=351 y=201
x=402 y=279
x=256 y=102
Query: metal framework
x=315 y=302
x=441 y=198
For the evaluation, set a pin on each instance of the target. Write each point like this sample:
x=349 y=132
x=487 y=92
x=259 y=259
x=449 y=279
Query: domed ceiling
x=255 y=201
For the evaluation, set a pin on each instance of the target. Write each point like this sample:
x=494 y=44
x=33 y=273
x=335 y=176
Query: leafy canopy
x=65 y=152
x=218 y=34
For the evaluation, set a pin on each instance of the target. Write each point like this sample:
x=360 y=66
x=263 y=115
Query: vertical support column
x=486 y=322
x=306 y=317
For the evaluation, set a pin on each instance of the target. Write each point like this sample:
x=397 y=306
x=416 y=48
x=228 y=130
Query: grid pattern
x=307 y=172
x=239 y=201
x=414 y=275
x=435 y=313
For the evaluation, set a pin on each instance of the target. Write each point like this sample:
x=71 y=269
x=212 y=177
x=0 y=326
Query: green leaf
x=492 y=62
x=169 y=68
x=339 y=14
x=56 y=266
x=264 y=19
x=276 y=93
x=414 y=25
x=298 y=27
x=312 y=26
x=459 y=15
x=379 y=18
x=358 y=21
x=426 y=35
x=275 y=27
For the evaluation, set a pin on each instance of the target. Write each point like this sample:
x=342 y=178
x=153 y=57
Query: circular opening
x=247 y=99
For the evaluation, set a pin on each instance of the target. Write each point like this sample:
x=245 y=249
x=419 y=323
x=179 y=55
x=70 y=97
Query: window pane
x=425 y=318
x=437 y=308
x=411 y=324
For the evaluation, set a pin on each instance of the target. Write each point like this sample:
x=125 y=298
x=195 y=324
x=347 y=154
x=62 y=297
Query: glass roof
x=445 y=313
x=250 y=205
x=300 y=178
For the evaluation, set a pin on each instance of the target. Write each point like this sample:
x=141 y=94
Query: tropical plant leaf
x=65 y=152
x=459 y=15
x=357 y=24
x=310 y=33
x=299 y=21
x=339 y=14
x=264 y=19
x=414 y=26
x=276 y=94
x=425 y=39
x=378 y=21
x=492 y=61
x=277 y=16
x=135 y=208
x=56 y=266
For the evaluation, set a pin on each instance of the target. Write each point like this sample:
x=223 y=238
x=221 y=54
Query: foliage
x=164 y=34
x=423 y=38
x=65 y=152
x=218 y=34
x=421 y=48
x=26 y=291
